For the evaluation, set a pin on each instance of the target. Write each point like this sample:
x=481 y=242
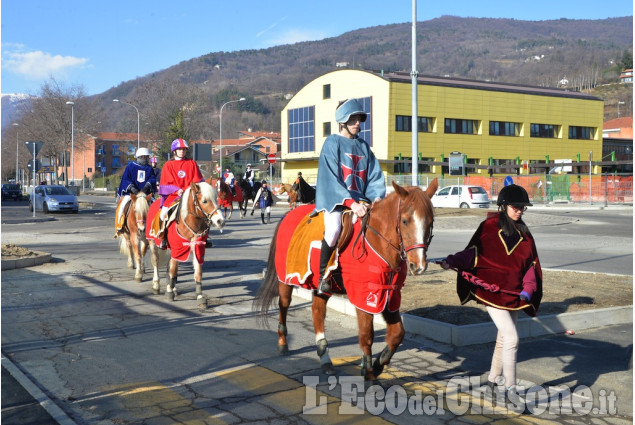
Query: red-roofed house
x=617 y=136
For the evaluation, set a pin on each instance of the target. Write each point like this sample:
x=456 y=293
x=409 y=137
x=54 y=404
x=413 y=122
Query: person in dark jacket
x=265 y=200
x=137 y=177
x=501 y=270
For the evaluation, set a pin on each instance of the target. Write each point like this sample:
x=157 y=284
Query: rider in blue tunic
x=137 y=177
x=349 y=177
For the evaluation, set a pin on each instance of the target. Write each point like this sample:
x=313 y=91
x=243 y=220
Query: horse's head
x=406 y=218
x=200 y=199
x=140 y=207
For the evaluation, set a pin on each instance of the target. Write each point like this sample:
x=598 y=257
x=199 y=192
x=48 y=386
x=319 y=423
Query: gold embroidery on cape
x=509 y=251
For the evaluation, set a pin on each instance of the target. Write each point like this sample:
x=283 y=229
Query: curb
x=479 y=333
x=40 y=397
x=19 y=263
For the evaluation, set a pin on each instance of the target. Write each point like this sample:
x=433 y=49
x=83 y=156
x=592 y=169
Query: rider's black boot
x=268 y=218
x=262 y=217
x=324 y=287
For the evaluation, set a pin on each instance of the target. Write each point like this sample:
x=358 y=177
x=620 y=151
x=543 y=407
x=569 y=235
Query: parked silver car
x=461 y=196
x=54 y=198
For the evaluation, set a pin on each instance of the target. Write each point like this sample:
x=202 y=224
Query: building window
x=424 y=124
x=326 y=129
x=459 y=126
x=90 y=170
x=500 y=128
x=115 y=162
x=548 y=131
x=326 y=91
x=404 y=123
x=403 y=167
x=115 y=150
x=365 y=129
x=585 y=133
x=302 y=129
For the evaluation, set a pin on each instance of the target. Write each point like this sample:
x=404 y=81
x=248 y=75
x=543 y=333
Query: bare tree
x=47 y=118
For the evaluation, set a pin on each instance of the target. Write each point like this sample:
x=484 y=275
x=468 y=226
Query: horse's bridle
x=207 y=218
x=401 y=249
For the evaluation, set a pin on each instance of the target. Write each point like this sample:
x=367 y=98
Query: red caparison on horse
x=375 y=255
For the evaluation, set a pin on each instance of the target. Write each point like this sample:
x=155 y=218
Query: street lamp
x=72 y=142
x=220 y=151
x=618 y=107
x=17 y=152
x=130 y=104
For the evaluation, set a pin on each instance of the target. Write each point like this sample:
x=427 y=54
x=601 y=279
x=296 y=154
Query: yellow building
x=492 y=124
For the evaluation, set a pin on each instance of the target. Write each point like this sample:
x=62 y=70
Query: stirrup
x=324 y=287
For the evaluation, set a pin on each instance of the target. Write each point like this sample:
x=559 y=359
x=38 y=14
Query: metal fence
x=546 y=188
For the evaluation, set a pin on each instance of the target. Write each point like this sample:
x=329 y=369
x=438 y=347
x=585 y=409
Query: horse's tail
x=123 y=246
x=269 y=290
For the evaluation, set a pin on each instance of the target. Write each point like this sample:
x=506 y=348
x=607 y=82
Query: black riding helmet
x=513 y=195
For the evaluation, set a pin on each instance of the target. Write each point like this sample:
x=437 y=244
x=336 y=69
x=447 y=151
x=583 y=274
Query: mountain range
x=582 y=53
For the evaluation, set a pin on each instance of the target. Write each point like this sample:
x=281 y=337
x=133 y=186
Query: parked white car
x=461 y=196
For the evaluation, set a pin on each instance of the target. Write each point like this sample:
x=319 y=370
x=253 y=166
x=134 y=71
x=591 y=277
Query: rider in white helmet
x=137 y=177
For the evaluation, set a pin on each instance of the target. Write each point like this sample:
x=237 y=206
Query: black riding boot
x=268 y=218
x=324 y=287
x=262 y=217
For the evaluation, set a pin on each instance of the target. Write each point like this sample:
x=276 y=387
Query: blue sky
x=99 y=44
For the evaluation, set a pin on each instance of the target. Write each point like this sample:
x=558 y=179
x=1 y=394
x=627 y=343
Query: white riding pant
x=265 y=210
x=504 y=357
x=332 y=227
x=122 y=205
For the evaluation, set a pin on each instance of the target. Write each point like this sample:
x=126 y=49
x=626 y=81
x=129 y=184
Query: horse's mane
x=208 y=193
x=141 y=205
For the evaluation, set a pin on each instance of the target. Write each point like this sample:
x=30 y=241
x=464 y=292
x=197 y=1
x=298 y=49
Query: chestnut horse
x=187 y=233
x=293 y=196
x=226 y=200
x=134 y=243
x=390 y=240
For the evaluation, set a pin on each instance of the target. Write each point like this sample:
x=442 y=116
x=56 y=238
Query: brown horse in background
x=390 y=240
x=226 y=200
x=292 y=194
x=134 y=243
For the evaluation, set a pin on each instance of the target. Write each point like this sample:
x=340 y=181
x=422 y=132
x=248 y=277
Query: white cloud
x=296 y=36
x=38 y=64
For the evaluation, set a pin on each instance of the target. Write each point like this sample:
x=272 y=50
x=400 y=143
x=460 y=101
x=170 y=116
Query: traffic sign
x=34 y=147
x=271 y=158
x=34 y=165
x=509 y=180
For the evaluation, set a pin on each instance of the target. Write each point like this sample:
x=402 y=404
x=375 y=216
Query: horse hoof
x=138 y=279
x=328 y=369
x=170 y=296
x=283 y=349
x=156 y=291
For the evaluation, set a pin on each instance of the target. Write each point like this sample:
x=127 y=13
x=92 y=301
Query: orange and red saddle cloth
x=368 y=280
x=180 y=247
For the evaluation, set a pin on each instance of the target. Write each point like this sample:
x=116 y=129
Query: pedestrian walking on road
x=265 y=200
x=500 y=269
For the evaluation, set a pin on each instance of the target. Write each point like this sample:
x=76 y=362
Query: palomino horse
x=390 y=240
x=134 y=243
x=226 y=200
x=196 y=212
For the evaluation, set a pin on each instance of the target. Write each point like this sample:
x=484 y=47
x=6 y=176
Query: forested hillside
x=586 y=53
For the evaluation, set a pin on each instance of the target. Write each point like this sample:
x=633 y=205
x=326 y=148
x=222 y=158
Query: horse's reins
x=207 y=218
x=403 y=251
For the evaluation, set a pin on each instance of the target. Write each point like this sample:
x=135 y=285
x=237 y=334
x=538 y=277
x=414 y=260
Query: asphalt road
x=102 y=349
